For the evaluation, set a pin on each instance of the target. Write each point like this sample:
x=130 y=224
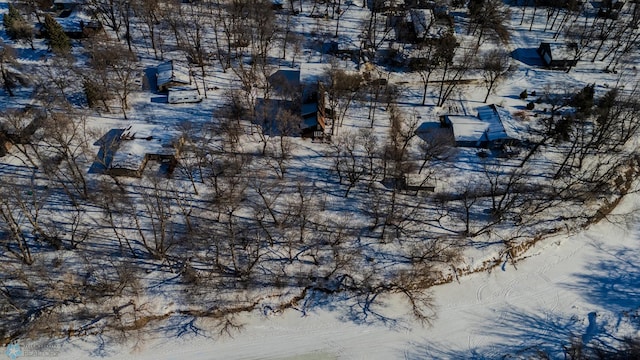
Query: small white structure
x=181 y=95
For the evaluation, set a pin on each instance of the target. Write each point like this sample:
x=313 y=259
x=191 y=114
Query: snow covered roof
x=561 y=51
x=501 y=125
x=172 y=72
x=183 y=89
x=140 y=140
x=492 y=123
x=467 y=128
x=425 y=24
x=312 y=72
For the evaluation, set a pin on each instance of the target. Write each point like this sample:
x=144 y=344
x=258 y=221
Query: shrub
x=531 y=105
x=524 y=94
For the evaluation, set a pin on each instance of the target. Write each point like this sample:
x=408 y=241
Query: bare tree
x=425 y=63
x=579 y=37
x=349 y=163
x=64 y=153
x=341 y=89
x=489 y=17
x=117 y=71
x=194 y=25
x=453 y=73
x=13 y=225
x=109 y=12
x=153 y=218
x=495 y=66
x=147 y=11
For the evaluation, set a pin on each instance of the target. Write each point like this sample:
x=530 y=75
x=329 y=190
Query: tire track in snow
x=479 y=292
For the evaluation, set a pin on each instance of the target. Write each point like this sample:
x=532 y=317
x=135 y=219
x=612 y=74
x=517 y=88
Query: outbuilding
x=558 y=56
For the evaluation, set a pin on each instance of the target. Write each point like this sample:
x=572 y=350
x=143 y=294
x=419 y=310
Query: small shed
x=558 y=56
x=170 y=74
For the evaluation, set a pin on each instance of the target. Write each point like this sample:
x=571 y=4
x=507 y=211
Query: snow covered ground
x=583 y=286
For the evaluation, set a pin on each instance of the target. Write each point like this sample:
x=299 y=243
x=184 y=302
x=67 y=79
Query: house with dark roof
x=285 y=82
x=557 y=56
x=305 y=99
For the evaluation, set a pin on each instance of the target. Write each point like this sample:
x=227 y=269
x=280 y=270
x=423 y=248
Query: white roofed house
x=493 y=128
x=129 y=152
x=171 y=74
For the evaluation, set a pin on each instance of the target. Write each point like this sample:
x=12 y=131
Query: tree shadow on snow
x=519 y=333
x=612 y=281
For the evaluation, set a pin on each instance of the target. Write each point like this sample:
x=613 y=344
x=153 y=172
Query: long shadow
x=529 y=335
x=612 y=281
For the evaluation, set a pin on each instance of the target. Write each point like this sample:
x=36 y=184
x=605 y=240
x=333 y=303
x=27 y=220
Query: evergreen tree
x=58 y=41
x=10 y=18
x=16 y=26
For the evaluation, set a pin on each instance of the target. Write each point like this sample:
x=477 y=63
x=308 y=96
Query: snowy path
x=578 y=286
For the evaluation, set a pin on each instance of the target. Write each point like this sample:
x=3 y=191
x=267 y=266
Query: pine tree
x=9 y=18
x=58 y=41
x=17 y=27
